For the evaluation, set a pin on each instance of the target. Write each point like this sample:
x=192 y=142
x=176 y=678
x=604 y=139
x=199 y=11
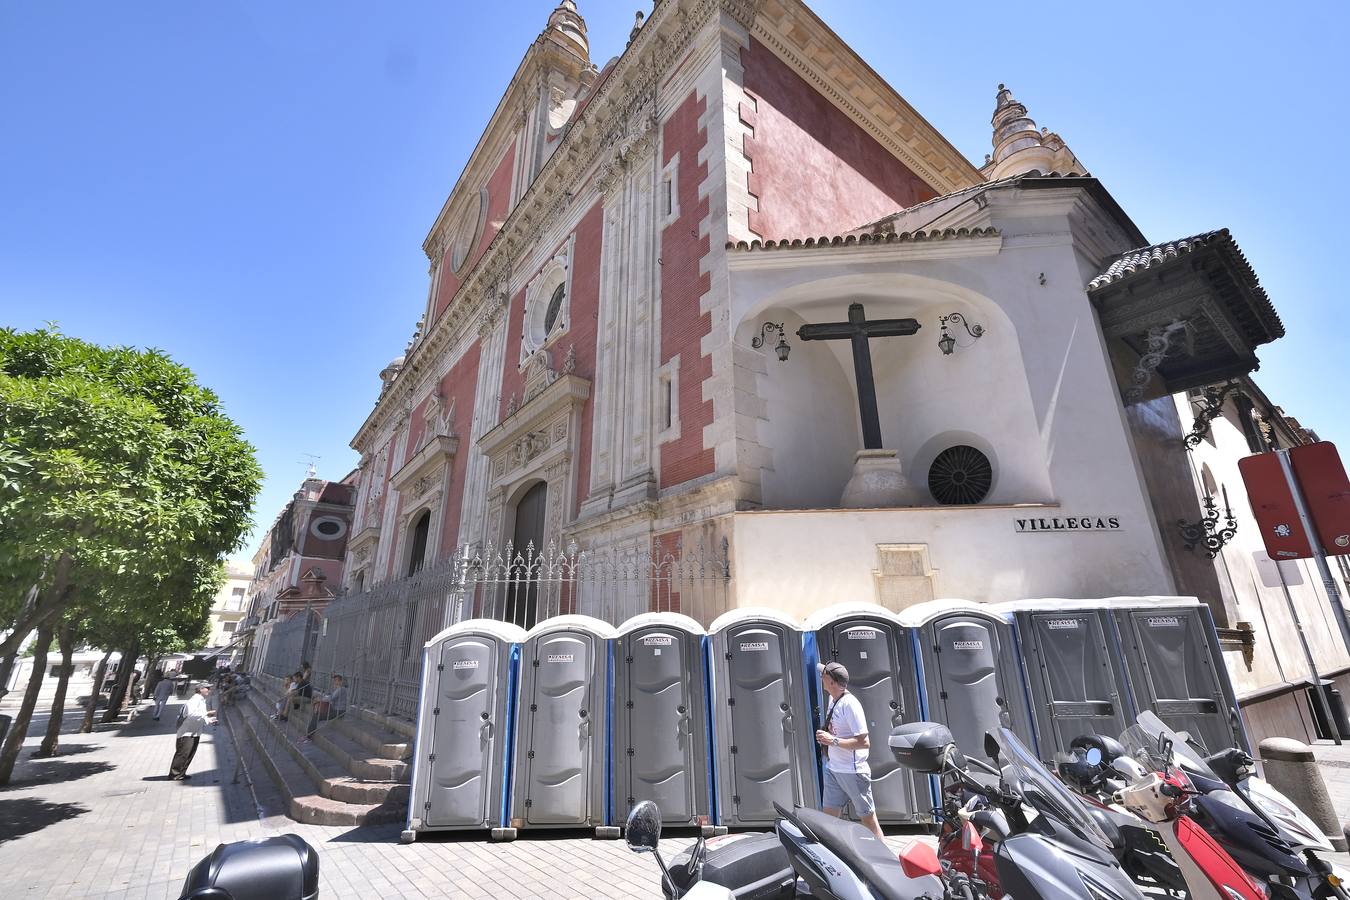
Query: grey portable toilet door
x=1078 y=687
x=463 y=734
x=876 y=675
x=1172 y=672
x=660 y=742
x=558 y=756
x=761 y=746
x=969 y=691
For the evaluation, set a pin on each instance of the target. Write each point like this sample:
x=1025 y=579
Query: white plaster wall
x=801 y=561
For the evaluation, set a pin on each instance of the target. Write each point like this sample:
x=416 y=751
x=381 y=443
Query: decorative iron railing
x=374 y=638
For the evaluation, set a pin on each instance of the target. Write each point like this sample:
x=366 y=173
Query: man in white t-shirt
x=195 y=718
x=848 y=779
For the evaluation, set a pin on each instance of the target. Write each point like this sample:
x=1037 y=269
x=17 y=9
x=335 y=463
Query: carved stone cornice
x=428 y=463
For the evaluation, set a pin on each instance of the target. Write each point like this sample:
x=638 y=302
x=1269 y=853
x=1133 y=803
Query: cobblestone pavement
x=102 y=820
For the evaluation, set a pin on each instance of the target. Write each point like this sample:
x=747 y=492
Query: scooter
x=1140 y=849
x=1286 y=866
x=1043 y=842
x=841 y=860
x=1206 y=871
x=643 y=835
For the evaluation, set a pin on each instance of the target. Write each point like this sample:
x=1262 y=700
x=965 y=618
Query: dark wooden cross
x=857 y=329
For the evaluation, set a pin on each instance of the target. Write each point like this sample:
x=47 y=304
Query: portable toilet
x=970 y=675
x=660 y=737
x=1072 y=668
x=465 y=714
x=876 y=648
x=1175 y=667
x=763 y=731
x=560 y=759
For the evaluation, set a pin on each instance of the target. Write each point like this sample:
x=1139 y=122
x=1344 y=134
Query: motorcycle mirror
x=991 y=746
x=643 y=831
x=1094 y=756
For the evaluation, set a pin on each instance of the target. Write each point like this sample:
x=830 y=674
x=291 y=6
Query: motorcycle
x=643 y=835
x=1042 y=842
x=1192 y=858
x=1280 y=850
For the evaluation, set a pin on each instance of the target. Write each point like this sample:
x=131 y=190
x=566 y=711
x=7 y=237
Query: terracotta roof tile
x=848 y=240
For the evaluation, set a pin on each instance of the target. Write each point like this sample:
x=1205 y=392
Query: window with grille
x=960 y=475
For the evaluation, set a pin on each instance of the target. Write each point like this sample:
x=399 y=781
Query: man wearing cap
x=848 y=779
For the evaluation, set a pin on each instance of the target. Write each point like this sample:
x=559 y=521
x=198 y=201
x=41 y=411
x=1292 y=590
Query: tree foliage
x=122 y=485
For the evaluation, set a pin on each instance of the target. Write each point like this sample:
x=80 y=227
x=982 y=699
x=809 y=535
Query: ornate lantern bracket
x=1207 y=532
x=1211 y=408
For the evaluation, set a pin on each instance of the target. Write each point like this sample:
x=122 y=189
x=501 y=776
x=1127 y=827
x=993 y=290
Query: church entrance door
x=523 y=599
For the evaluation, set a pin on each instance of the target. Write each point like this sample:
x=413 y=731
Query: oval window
x=328 y=528
x=554 y=307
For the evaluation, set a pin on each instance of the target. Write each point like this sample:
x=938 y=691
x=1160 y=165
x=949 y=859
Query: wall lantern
x=781 y=348
x=947 y=342
x=1207 y=532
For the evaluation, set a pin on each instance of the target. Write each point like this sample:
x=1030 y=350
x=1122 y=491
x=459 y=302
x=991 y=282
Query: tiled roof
x=840 y=240
x=1235 y=276
x=1146 y=257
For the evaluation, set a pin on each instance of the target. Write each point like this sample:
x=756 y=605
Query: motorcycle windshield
x=1044 y=792
x=1146 y=734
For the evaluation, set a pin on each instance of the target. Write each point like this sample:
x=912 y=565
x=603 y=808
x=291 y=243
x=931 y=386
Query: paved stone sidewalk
x=102 y=820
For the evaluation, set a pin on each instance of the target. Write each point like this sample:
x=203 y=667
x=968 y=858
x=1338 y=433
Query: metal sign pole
x=1319 y=554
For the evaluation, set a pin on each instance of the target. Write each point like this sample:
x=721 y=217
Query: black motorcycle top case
x=751 y=866
x=282 y=867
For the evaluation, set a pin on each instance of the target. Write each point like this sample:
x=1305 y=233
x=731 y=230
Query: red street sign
x=1326 y=491
x=1273 y=507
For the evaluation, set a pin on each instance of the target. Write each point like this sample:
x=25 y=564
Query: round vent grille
x=959 y=475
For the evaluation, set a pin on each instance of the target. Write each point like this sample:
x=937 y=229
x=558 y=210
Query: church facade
x=639 y=335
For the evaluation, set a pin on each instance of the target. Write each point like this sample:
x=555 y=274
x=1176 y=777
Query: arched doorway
x=527 y=536
x=417 y=550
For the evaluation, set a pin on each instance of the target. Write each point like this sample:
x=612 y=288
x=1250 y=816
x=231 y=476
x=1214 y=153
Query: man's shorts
x=843 y=788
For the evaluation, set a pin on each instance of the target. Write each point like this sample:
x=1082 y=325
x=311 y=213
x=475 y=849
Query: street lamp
x=947 y=342
x=782 y=348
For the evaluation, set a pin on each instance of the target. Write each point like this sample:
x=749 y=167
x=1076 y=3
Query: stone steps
x=305 y=802
x=337 y=765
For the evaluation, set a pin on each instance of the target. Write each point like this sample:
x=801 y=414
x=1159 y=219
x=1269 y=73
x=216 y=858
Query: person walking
x=195 y=718
x=848 y=778
x=163 y=688
x=328 y=706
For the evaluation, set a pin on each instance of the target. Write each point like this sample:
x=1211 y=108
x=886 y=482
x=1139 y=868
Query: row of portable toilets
x=571 y=724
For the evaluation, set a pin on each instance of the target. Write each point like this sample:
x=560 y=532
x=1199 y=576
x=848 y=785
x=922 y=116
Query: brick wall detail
x=499 y=205
x=814 y=170
x=683 y=283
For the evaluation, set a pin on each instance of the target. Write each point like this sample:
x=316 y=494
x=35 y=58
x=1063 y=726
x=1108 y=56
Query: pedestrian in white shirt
x=163 y=688
x=848 y=778
x=195 y=718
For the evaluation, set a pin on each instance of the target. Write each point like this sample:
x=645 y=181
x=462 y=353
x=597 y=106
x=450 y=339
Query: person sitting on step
x=328 y=706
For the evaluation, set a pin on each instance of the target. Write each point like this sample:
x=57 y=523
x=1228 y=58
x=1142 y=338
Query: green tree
x=121 y=479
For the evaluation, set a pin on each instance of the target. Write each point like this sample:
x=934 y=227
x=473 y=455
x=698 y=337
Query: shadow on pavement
x=30 y=814
x=53 y=770
x=372 y=834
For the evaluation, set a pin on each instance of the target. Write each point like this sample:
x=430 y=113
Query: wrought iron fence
x=288 y=643
x=374 y=639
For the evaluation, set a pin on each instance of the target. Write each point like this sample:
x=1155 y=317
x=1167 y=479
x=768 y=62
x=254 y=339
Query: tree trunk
x=39 y=606
x=18 y=729
x=119 y=691
x=53 y=737
x=88 y=724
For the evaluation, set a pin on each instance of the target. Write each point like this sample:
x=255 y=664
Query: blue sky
x=247 y=186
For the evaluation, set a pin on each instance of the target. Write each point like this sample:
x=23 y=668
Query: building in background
x=231 y=604
x=300 y=561
x=638 y=338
